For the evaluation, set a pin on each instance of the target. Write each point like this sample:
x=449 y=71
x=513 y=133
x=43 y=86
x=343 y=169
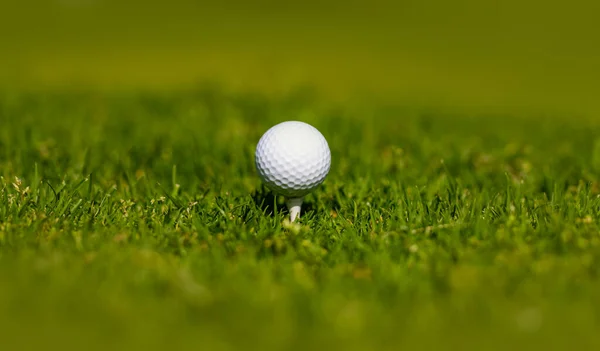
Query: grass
x=137 y=221
x=536 y=54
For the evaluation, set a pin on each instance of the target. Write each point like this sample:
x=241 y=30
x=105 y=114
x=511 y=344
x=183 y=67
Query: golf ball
x=293 y=158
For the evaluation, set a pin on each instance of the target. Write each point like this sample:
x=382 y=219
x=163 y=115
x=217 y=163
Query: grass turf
x=138 y=222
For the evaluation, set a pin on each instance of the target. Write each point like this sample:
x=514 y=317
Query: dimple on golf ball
x=293 y=158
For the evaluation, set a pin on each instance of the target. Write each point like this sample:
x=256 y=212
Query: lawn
x=137 y=221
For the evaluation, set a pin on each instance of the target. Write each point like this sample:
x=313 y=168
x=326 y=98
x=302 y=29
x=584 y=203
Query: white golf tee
x=294 y=205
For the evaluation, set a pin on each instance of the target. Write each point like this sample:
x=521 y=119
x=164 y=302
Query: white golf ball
x=293 y=158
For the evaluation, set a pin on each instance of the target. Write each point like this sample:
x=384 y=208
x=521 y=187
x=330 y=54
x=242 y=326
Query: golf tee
x=294 y=205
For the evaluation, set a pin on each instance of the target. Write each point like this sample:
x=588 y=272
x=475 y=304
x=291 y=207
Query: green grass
x=137 y=221
x=537 y=53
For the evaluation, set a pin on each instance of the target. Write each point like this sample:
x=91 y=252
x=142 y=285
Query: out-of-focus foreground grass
x=538 y=54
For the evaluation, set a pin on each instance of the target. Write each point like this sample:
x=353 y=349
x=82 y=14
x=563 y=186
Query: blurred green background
x=468 y=53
